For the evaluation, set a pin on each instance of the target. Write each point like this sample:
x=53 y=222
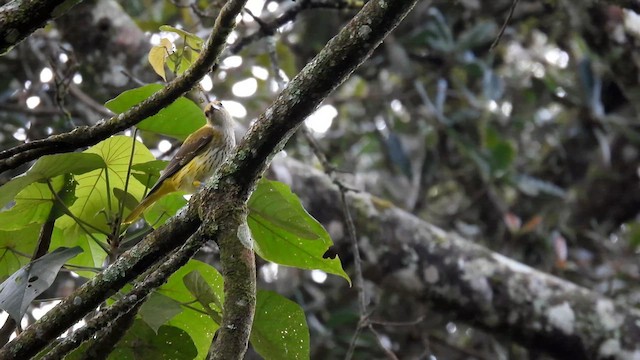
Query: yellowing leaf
x=158 y=55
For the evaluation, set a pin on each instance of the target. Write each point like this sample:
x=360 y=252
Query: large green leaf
x=93 y=255
x=177 y=120
x=96 y=203
x=164 y=208
x=141 y=342
x=158 y=309
x=48 y=167
x=280 y=328
x=33 y=205
x=148 y=173
x=197 y=323
x=16 y=248
x=19 y=290
x=284 y=233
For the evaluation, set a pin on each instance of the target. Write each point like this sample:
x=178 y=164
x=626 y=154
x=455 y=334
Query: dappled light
x=467 y=189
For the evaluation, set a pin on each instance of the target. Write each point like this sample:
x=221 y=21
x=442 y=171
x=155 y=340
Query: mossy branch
x=235 y=182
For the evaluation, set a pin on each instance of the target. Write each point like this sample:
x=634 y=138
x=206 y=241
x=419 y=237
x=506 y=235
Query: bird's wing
x=192 y=147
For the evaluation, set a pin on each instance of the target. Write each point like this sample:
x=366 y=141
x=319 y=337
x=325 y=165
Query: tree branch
x=474 y=284
x=237 y=178
x=20 y=18
x=86 y=136
x=268 y=28
x=239 y=272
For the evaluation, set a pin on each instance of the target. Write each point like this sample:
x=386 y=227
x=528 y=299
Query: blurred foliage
x=530 y=148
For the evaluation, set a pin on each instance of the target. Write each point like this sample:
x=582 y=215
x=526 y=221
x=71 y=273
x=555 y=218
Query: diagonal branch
x=221 y=199
x=19 y=18
x=147 y=252
x=89 y=135
x=268 y=28
x=474 y=284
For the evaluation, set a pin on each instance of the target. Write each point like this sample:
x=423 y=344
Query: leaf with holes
x=158 y=309
x=141 y=342
x=284 y=233
x=194 y=318
x=19 y=290
x=280 y=328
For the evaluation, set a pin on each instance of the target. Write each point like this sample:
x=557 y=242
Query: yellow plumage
x=196 y=160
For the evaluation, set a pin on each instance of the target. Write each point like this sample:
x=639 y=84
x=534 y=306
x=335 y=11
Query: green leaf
x=501 y=152
x=148 y=173
x=16 y=248
x=96 y=205
x=501 y=157
x=198 y=324
x=192 y=40
x=37 y=203
x=33 y=205
x=158 y=309
x=204 y=294
x=177 y=120
x=284 y=233
x=19 y=290
x=481 y=34
x=129 y=201
x=141 y=342
x=48 y=167
x=93 y=255
x=164 y=208
x=279 y=328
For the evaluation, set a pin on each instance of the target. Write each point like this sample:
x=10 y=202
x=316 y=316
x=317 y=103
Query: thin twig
x=268 y=28
x=504 y=25
x=357 y=260
x=388 y=352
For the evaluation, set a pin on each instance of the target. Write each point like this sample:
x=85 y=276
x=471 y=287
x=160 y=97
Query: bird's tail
x=151 y=198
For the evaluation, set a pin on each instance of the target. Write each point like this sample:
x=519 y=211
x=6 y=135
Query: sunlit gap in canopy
x=255 y=6
x=32 y=102
x=46 y=75
x=269 y=272
x=245 y=88
x=259 y=72
x=318 y=276
x=206 y=83
x=272 y=6
x=320 y=121
x=164 y=146
x=232 y=61
x=236 y=109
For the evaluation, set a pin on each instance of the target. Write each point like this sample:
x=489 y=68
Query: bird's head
x=218 y=116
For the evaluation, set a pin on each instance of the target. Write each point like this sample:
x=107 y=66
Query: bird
x=197 y=159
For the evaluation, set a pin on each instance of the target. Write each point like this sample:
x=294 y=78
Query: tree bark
x=20 y=18
x=472 y=283
x=236 y=179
